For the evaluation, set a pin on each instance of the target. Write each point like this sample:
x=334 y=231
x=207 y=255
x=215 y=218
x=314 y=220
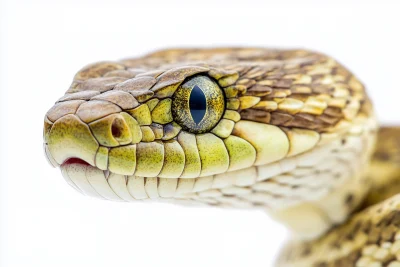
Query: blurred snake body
x=291 y=132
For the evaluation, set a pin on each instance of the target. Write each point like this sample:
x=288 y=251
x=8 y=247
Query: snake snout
x=69 y=138
x=87 y=130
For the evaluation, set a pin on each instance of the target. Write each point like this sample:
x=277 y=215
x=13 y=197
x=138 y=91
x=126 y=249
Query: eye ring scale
x=198 y=104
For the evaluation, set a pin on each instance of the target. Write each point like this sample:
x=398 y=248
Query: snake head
x=242 y=127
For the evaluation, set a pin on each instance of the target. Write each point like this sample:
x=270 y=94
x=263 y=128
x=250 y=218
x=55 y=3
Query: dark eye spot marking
x=197 y=104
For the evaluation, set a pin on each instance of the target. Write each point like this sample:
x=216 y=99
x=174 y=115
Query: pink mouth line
x=75 y=161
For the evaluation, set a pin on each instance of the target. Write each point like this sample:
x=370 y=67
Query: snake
x=289 y=131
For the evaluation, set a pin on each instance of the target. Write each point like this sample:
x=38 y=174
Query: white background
x=43 y=222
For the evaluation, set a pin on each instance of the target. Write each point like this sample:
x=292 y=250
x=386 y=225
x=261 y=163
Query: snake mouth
x=74 y=160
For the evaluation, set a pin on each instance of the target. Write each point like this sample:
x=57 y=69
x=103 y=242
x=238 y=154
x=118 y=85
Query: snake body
x=288 y=131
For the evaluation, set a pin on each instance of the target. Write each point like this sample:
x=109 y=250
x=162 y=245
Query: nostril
x=111 y=131
x=117 y=128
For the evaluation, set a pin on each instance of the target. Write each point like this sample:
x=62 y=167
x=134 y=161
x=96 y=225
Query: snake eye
x=198 y=104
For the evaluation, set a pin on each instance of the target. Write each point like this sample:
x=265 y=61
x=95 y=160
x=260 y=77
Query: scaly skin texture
x=287 y=131
x=372 y=236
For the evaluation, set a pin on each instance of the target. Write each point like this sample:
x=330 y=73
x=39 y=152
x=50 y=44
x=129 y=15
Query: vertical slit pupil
x=197 y=104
